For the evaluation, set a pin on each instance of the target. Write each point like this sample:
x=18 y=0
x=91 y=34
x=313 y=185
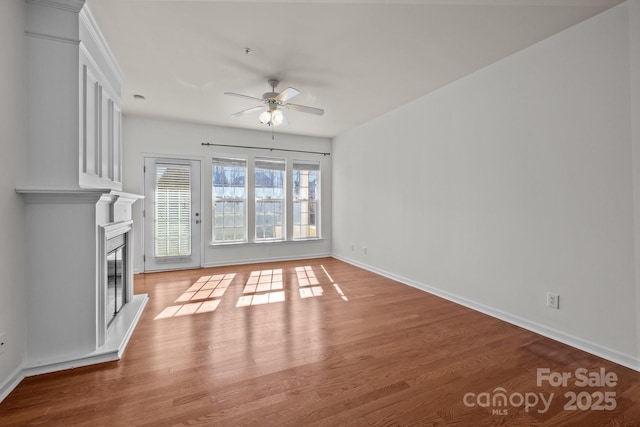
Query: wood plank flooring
x=320 y=343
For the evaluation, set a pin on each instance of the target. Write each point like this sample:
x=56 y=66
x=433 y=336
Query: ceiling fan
x=273 y=100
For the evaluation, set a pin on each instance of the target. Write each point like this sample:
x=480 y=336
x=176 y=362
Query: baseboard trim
x=269 y=259
x=623 y=359
x=11 y=383
x=100 y=357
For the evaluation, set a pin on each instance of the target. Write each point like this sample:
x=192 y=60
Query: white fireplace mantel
x=66 y=233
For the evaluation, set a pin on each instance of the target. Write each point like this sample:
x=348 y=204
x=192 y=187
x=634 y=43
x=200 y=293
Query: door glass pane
x=173 y=211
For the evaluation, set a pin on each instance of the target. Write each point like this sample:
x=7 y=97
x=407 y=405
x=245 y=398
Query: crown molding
x=94 y=31
x=34 y=34
x=67 y=5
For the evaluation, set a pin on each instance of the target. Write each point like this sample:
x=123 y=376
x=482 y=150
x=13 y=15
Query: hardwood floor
x=322 y=343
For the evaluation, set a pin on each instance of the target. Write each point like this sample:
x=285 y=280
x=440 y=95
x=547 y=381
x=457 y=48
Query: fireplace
x=82 y=309
x=115 y=262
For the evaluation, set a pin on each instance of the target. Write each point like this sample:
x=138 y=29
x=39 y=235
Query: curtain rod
x=209 y=144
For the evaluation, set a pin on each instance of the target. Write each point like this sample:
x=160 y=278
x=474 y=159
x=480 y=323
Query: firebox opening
x=116 y=276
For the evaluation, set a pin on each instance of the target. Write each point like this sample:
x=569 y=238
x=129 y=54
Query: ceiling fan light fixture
x=272 y=118
x=265 y=117
x=274 y=101
x=277 y=117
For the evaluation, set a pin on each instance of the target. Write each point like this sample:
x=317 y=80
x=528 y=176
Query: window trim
x=230 y=160
x=283 y=200
x=288 y=200
x=312 y=165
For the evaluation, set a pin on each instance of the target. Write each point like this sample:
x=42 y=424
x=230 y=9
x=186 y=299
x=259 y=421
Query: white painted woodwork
x=99 y=127
x=66 y=244
x=116 y=153
x=71 y=191
x=89 y=122
x=194 y=259
x=73 y=100
x=105 y=232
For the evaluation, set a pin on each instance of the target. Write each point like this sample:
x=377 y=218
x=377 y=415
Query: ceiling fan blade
x=239 y=95
x=247 y=111
x=305 y=109
x=287 y=94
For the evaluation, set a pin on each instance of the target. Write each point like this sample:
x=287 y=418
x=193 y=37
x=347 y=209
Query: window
x=229 y=200
x=306 y=198
x=269 y=193
x=173 y=210
x=265 y=199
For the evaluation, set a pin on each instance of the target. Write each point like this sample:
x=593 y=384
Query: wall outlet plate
x=3 y=343
x=553 y=300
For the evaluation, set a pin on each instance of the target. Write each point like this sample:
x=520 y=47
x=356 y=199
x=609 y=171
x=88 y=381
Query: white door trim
x=196 y=260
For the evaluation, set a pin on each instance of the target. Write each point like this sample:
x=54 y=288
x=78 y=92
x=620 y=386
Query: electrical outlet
x=3 y=343
x=364 y=250
x=553 y=300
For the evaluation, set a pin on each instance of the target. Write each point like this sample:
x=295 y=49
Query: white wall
x=145 y=136
x=511 y=182
x=634 y=48
x=13 y=289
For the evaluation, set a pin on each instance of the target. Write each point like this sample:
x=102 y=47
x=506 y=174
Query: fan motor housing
x=269 y=95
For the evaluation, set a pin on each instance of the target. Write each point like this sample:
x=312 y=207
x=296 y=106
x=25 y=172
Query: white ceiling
x=356 y=59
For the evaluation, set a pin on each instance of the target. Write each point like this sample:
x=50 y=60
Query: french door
x=172 y=219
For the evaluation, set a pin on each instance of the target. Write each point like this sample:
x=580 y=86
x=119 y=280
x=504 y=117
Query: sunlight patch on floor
x=259 y=299
x=207 y=287
x=200 y=297
x=335 y=285
x=262 y=287
x=308 y=282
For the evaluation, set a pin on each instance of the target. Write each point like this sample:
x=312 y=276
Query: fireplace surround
x=115 y=288
x=69 y=321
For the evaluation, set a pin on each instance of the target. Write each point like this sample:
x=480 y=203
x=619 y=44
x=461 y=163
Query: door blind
x=173 y=210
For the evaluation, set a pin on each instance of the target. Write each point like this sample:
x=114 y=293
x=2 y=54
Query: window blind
x=302 y=165
x=269 y=163
x=227 y=161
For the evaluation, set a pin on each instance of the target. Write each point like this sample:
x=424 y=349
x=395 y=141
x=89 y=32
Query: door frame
x=199 y=258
